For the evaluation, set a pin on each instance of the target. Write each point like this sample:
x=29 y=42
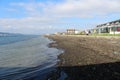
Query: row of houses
x=112 y=27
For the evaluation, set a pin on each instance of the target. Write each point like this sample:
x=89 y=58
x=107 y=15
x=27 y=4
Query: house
x=112 y=27
x=70 y=31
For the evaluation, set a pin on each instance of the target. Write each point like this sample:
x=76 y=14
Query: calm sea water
x=23 y=56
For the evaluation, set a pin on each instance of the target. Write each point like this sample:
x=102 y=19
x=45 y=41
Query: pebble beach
x=87 y=58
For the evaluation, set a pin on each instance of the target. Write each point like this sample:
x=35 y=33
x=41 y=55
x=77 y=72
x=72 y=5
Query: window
x=104 y=30
x=114 y=29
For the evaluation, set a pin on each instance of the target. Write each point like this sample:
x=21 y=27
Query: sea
x=26 y=57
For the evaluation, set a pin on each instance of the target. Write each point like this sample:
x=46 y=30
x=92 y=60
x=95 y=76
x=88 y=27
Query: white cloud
x=71 y=8
x=83 y=8
x=43 y=16
x=26 y=25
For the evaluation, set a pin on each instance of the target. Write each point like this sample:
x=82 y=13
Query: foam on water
x=24 y=57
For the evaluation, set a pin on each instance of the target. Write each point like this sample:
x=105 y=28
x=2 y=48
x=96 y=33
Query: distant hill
x=2 y=34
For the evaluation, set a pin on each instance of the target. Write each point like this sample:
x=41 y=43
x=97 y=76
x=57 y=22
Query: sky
x=50 y=16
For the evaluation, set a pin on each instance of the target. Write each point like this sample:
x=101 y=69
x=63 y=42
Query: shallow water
x=21 y=58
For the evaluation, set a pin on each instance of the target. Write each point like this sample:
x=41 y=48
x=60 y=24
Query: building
x=110 y=27
x=70 y=31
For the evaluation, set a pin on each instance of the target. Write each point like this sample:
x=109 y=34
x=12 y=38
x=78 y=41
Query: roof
x=70 y=29
x=109 y=22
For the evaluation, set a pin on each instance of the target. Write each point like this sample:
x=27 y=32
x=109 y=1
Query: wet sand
x=87 y=58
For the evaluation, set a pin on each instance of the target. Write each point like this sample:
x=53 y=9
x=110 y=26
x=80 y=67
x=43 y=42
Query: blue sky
x=49 y=16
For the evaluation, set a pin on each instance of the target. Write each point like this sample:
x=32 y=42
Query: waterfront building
x=112 y=27
x=70 y=31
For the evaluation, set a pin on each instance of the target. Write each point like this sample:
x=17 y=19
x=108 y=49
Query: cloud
x=83 y=8
x=11 y=9
x=71 y=8
x=50 y=15
x=26 y=25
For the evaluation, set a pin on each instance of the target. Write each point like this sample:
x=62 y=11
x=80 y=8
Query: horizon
x=50 y=16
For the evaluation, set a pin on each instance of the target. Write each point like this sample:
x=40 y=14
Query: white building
x=110 y=27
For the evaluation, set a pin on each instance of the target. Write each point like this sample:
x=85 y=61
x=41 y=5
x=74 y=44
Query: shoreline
x=87 y=58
